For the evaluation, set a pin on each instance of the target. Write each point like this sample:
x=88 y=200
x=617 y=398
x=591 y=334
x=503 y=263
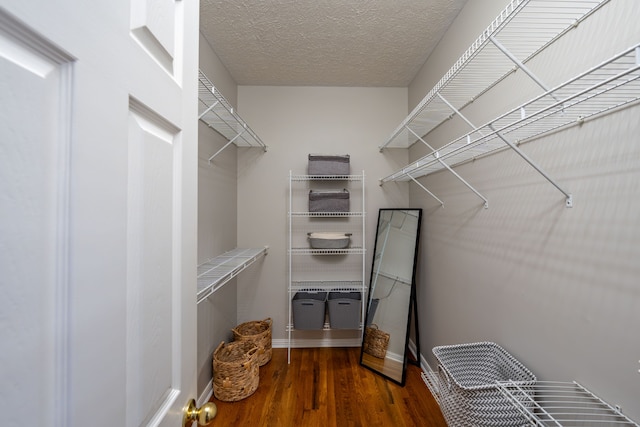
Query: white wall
x=559 y=288
x=293 y=122
x=217 y=220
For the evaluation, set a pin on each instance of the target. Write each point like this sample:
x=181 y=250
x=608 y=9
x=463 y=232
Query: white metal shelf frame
x=318 y=285
x=607 y=86
x=216 y=272
x=520 y=32
x=216 y=112
x=552 y=403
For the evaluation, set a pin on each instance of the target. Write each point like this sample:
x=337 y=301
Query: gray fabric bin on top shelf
x=329 y=201
x=344 y=310
x=308 y=310
x=323 y=164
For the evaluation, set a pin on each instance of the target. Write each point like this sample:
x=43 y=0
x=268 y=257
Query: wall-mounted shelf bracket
x=436 y=155
x=216 y=112
x=521 y=65
x=226 y=145
x=458 y=113
x=425 y=189
x=569 y=198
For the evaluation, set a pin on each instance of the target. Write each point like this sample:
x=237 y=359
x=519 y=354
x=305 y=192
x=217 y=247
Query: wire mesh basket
x=468 y=392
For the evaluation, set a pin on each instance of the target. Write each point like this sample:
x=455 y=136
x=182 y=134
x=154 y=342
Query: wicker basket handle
x=218 y=348
x=249 y=355
x=268 y=320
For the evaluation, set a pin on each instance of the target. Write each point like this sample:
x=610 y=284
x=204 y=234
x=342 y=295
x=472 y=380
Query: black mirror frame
x=413 y=303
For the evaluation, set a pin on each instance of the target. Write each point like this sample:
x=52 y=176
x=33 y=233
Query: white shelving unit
x=611 y=84
x=216 y=112
x=317 y=270
x=549 y=403
x=522 y=31
x=216 y=272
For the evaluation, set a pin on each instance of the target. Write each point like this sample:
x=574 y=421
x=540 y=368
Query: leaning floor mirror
x=392 y=304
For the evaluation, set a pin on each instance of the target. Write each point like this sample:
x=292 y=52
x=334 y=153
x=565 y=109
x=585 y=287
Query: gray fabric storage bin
x=344 y=310
x=308 y=310
x=329 y=200
x=321 y=164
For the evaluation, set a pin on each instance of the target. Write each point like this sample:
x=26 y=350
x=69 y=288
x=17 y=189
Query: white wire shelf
x=324 y=285
x=430 y=379
x=327 y=214
x=308 y=251
x=522 y=29
x=610 y=85
x=568 y=404
x=216 y=272
x=327 y=177
x=216 y=112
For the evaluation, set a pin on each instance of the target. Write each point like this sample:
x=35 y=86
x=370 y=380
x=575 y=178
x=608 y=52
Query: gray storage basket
x=323 y=164
x=309 y=310
x=467 y=389
x=344 y=310
x=329 y=200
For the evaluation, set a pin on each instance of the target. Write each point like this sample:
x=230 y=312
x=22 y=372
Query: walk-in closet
x=516 y=139
x=320 y=213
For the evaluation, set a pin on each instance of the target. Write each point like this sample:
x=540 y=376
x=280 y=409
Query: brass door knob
x=203 y=415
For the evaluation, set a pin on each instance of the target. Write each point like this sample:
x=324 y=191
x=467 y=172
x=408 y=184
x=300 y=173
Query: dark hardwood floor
x=327 y=387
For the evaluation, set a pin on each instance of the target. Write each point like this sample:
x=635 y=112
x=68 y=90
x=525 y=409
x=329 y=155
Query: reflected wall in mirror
x=392 y=305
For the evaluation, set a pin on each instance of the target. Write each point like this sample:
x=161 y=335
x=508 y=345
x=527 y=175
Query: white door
x=98 y=177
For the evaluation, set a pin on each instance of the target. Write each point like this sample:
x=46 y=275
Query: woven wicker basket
x=467 y=391
x=375 y=341
x=236 y=373
x=258 y=332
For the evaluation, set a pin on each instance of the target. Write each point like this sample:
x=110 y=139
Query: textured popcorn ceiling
x=325 y=42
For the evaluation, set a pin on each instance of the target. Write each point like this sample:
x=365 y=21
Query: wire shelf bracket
x=216 y=112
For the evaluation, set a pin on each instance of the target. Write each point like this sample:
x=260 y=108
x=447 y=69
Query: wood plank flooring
x=326 y=387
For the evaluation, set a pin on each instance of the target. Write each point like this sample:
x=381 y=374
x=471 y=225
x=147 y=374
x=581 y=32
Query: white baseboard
x=206 y=394
x=317 y=342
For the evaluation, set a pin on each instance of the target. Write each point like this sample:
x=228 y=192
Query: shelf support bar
x=569 y=198
x=436 y=155
x=425 y=189
x=227 y=144
x=208 y=109
x=455 y=110
x=520 y=65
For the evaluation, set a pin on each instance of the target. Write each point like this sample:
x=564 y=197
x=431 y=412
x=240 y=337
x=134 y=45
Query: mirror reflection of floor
x=386 y=366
